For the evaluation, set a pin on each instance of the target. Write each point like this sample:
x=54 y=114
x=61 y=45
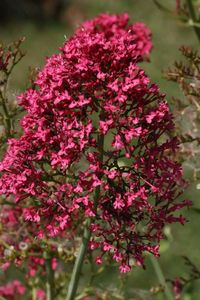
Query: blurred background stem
x=50 y=284
x=193 y=17
x=161 y=278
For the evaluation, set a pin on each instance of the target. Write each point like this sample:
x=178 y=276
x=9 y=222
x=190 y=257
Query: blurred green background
x=46 y=24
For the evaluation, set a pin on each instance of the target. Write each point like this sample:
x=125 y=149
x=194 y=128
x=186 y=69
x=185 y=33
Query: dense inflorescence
x=96 y=145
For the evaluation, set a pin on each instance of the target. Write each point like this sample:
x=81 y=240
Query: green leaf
x=164 y=246
x=187 y=297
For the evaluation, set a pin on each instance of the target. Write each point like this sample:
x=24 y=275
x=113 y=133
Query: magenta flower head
x=96 y=145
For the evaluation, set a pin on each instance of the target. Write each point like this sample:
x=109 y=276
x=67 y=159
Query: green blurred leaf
x=187 y=297
x=168 y=233
x=164 y=246
x=196 y=2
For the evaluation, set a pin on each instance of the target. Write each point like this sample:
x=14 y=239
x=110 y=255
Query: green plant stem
x=193 y=17
x=50 y=284
x=73 y=285
x=79 y=263
x=34 y=294
x=82 y=251
x=162 y=7
x=161 y=277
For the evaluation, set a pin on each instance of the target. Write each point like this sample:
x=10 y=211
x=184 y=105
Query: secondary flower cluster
x=95 y=145
x=11 y=289
x=15 y=289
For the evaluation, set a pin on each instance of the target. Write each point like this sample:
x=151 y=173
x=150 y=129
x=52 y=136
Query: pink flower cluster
x=15 y=289
x=96 y=144
x=12 y=289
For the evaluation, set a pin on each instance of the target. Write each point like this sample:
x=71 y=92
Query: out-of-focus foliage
x=187 y=109
x=10 y=56
x=38 y=9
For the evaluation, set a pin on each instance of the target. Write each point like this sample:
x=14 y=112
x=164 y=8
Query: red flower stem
x=193 y=17
x=73 y=285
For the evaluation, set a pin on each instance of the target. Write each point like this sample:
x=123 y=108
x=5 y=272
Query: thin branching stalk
x=7 y=118
x=193 y=17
